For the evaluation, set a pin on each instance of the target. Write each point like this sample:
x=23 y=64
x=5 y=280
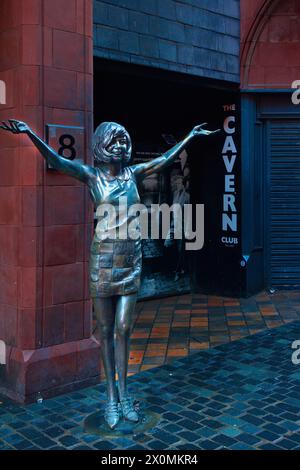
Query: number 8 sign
x=67 y=141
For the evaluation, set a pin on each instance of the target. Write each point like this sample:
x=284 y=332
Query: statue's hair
x=103 y=136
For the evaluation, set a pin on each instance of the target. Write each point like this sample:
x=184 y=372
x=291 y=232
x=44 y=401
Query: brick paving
x=175 y=327
x=241 y=395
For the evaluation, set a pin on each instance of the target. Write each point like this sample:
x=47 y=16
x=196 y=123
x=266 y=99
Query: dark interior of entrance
x=151 y=103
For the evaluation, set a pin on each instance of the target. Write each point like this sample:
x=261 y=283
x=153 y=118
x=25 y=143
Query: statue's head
x=111 y=143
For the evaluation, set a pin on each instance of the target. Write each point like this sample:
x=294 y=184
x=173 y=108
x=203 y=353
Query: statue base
x=96 y=424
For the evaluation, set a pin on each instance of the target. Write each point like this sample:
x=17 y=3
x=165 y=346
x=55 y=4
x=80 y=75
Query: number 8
x=67 y=146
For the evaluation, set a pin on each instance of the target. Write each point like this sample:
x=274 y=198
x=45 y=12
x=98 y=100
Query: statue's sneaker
x=128 y=410
x=111 y=414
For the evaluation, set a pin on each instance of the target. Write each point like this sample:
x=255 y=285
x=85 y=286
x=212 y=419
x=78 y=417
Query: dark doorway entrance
x=157 y=106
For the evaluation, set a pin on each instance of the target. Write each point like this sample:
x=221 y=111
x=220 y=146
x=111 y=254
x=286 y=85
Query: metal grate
x=284 y=203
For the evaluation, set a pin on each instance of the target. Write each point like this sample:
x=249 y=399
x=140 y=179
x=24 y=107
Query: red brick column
x=45 y=218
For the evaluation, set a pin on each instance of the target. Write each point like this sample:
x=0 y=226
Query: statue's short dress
x=116 y=255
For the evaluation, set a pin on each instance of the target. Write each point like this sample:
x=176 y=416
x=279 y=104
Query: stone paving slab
x=175 y=327
x=241 y=395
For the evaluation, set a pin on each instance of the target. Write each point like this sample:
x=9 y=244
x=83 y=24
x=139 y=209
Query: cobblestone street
x=240 y=395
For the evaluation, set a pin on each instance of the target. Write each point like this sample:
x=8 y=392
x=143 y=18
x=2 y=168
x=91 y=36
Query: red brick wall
x=270 y=34
x=45 y=217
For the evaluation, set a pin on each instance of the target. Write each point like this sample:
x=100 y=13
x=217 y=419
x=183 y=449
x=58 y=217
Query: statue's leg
x=125 y=305
x=105 y=314
x=124 y=322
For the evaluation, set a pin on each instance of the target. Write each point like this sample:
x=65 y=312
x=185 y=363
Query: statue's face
x=111 y=143
x=118 y=148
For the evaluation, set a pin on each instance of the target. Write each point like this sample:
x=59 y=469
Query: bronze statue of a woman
x=115 y=261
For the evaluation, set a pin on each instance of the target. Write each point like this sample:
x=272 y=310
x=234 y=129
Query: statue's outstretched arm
x=160 y=163
x=72 y=168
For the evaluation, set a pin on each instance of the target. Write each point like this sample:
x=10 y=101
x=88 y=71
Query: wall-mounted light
x=2 y=92
x=2 y=352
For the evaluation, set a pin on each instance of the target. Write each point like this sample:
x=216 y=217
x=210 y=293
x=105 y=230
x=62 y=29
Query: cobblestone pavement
x=239 y=395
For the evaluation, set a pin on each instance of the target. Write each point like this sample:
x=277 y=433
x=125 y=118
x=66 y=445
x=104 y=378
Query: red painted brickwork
x=45 y=217
x=270 y=34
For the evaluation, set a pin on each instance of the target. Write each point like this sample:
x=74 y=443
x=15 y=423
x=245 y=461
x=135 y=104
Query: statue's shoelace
x=111 y=410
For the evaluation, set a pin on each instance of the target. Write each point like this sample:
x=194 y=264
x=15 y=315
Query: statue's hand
x=16 y=127
x=198 y=130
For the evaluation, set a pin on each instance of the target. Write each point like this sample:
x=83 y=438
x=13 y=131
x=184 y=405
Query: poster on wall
x=216 y=170
x=230 y=157
x=165 y=261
